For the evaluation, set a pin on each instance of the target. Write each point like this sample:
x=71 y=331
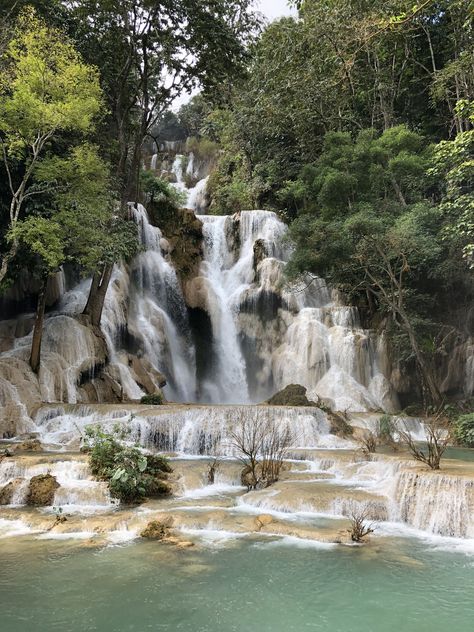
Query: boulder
x=7 y=491
x=291 y=395
x=158 y=529
x=41 y=490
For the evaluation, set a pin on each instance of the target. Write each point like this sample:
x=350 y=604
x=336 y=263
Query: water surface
x=247 y=586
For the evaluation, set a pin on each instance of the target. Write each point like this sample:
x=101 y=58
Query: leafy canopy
x=45 y=87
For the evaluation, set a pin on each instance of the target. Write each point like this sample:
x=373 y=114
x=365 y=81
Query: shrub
x=360 y=528
x=130 y=474
x=156 y=399
x=369 y=443
x=437 y=439
x=385 y=430
x=464 y=430
x=160 y=191
x=261 y=445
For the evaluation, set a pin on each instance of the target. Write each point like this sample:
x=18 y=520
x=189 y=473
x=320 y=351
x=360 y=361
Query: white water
x=328 y=477
x=264 y=334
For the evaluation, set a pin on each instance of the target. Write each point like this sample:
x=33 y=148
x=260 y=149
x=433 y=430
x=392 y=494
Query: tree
x=366 y=230
x=437 y=439
x=453 y=167
x=347 y=65
x=76 y=223
x=148 y=53
x=45 y=90
x=261 y=446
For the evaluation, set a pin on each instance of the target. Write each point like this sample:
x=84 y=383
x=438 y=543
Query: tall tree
x=45 y=90
x=148 y=53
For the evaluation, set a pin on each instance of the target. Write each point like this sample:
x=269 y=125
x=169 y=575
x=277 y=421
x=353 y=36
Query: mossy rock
x=291 y=395
x=41 y=490
x=339 y=425
x=158 y=529
x=155 y=399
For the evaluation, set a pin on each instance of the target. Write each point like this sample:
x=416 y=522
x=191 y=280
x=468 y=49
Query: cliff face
x=182 y=238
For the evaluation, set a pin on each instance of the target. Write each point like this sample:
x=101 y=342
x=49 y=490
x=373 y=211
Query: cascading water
x=224 y=285
x=266 y=336
x=155 y=316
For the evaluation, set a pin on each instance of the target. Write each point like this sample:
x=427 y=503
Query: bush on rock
x=132 y=475
x=156 y=399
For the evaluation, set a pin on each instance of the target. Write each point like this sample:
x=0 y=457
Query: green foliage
x=385 y=429
x=43 y=237
x=45 y=88
x=203 y=148
x=453 y=167
x=47 y=91
x=131 y=475
x=155 y=399
x=192 y=116
x=160 y=191
x=464 y=430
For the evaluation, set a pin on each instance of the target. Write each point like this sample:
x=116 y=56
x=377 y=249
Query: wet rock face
x=8 y=490
x=41 y=490
x=183 y=232
x=260 y=252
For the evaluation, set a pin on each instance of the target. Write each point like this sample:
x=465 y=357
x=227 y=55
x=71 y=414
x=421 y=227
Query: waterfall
x=263 y=334
x=229 y=382
x=157 y=314
x=191 y=431
x=267 y=335
x=435 y=502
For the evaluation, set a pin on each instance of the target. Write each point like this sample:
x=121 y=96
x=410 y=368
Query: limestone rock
x=147 y=377
x=185 y=544
x=41 y=490
x=183 y=232
x=158 y=529
x=30 y=445
x=260 y=252
x=263 y=520
x=6 y=492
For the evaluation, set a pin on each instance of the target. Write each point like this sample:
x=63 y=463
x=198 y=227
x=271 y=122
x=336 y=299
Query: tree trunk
x=35 y=356
x=5 y=261
x=424 y=369
x=95 y=301
x=398 y=191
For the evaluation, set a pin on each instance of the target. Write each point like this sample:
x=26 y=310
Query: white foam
x=10 y=528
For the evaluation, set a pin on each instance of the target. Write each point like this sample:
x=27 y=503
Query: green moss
x=156 y=399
